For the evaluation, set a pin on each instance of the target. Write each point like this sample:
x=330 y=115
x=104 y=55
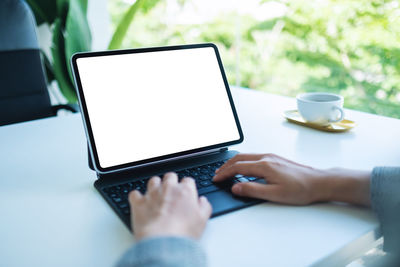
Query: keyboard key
x=205 y=183
x=113 y=189
x=204 y=171
x=117 y=199
x=242 y=180
x=123 y=205
x=126 y=211
x=204 y=177
x=125 y=191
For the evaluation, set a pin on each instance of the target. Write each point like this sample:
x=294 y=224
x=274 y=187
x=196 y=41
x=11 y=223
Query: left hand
x=169 y=208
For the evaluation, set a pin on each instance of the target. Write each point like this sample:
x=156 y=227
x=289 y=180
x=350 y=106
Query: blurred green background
x=285 y=47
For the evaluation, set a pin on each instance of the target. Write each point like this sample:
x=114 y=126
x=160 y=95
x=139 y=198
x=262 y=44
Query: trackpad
x=223 y=202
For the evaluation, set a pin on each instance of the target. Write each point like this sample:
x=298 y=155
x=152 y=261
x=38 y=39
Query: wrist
x=342 y=185
x=167 y=230
x=321 y=188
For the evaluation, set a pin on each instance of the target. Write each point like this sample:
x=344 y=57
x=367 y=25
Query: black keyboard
x=202 y=174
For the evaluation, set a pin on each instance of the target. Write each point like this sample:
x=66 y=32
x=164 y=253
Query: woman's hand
x=169 y=208
x=289 y=182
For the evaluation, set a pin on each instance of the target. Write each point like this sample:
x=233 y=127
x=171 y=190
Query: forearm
x=385 y=201
x=343 y=185
x=164 y=252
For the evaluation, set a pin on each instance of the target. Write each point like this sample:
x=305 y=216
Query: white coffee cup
x=320 y=108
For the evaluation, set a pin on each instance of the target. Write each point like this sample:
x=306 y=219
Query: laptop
x=149 y=111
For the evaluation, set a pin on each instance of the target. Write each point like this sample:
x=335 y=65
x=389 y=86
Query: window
x=347 y=47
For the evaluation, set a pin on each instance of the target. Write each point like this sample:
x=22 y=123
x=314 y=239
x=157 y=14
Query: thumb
x=205 y=207
x=256 y=190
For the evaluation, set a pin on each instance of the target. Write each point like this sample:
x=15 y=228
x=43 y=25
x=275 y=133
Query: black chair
x=23 y=89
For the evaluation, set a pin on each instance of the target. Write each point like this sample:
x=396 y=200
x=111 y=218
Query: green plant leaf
x=62 y=11
x=122 y=28
x=60 y=64
x=77 y=32
x=84 y=5
x=44 y=10
x=148 y=5
x=48 y=68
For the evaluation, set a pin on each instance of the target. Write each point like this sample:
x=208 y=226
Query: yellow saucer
x=341 y=126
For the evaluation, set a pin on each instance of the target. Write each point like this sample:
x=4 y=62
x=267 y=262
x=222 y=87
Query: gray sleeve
x=385 y=200
x=164 y=252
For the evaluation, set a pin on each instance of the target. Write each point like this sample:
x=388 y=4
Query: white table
x=51 y=214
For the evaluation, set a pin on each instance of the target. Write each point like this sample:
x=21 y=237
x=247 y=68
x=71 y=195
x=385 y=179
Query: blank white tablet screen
x=145 y=105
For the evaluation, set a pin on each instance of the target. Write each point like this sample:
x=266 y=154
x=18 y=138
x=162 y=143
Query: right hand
x=287 y=182
x=169 y=208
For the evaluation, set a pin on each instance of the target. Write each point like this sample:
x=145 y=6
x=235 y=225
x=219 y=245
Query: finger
x=134 y=196
x=257 y=190
x=153 y=184
x=189 y=183
x=250 y=168
x=169 y=179
x=273 y=157
x=240 y=157
x=205 y=207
